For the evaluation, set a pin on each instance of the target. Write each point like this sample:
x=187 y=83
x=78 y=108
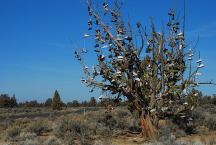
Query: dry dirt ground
x=130 y=139
x=209 y=139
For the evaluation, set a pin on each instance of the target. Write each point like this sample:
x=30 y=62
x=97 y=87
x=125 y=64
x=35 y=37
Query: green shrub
x=13 y=132
x=56 y=101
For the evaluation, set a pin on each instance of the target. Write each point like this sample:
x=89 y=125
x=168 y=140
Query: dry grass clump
x=53 y=141
x=37 y=127
x=25 y=131
x=123 y=119
x=30 y=142
x=114 y=124
x=22 y=122
x=205 y=117
x=84 y=129
x=72 y=131
x=168 y=133
x=210 y=123
x=28 y=138
x=12 y=133
x=27 y=135
x=4 y=125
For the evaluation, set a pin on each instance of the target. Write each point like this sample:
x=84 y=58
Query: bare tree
x=153 y=70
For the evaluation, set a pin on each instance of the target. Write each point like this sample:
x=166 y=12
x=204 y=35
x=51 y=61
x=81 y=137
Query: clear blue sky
x=36 y=37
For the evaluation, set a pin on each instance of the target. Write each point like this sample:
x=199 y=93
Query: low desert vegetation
x=90 y=123
x=99 y=127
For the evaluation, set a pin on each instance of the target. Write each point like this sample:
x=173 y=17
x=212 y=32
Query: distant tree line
x=7 y=101
x=55 y=102
x=208 y=99
x=91 y=103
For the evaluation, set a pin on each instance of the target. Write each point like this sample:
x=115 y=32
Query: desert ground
x=92 y=126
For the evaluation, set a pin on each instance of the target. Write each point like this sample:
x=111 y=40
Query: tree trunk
x=148 y=129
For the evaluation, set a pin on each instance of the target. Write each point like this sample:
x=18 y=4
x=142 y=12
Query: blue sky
x=37 y=39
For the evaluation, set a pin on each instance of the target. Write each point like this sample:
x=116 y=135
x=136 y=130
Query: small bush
x=168 y=133
x=134 y=125
x=63 y=128
x=107 y=121
x=30 y=142
x=104 y=141
x=22 y=122
x=27 y=136
x=13 y=132
x=122 y=114
x=52 y=141
x=106 y=126
x=69 y=130
x=211 y=123
x=37 y=127
x=122 y=120
x=205 y=117
x=121 y=124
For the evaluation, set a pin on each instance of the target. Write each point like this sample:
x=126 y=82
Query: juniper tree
x=154 y=75
x=92 y=102
x=56 y=101
x=48 y=102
